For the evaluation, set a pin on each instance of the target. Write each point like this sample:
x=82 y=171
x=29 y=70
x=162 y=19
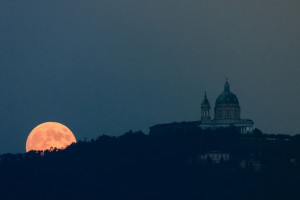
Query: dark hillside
x=168 y=166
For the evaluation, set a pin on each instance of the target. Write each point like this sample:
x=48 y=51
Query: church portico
x=245 y=129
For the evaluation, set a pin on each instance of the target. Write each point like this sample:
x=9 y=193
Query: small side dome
x=205 y=109
x=205 y=102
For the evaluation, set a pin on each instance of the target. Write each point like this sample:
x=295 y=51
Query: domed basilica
x=227 y=113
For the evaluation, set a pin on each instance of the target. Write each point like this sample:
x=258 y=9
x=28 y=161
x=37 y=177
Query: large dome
x=227 y=108
x=227 y=97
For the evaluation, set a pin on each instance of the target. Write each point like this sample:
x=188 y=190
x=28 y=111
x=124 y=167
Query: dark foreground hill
x=169 y=166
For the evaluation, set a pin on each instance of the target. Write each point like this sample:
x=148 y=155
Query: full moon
x=49 y=134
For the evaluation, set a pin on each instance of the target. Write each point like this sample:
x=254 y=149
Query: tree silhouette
x=140 y=166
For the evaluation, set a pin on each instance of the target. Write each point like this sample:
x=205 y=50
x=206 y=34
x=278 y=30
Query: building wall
x=227 y=112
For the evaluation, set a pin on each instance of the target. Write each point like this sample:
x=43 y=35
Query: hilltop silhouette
x=193 y=164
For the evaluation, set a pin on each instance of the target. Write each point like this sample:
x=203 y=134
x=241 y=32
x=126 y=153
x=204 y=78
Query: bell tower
x=205 y=110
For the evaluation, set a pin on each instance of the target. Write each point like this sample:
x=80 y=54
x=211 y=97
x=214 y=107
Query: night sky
x=106 y=67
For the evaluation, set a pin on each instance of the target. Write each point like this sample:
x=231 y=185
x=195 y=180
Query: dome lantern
x=226 y=86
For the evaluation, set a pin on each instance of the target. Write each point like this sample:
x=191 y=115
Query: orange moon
x=49 y=134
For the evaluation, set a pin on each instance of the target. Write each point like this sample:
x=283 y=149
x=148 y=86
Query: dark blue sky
x=105 y=67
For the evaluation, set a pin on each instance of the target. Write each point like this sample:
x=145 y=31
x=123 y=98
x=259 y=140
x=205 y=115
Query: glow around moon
x=49 y=135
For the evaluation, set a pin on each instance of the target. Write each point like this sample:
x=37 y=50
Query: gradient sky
x=106 y=67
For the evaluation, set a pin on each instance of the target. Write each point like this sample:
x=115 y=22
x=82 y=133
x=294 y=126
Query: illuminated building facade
x=227 y=113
